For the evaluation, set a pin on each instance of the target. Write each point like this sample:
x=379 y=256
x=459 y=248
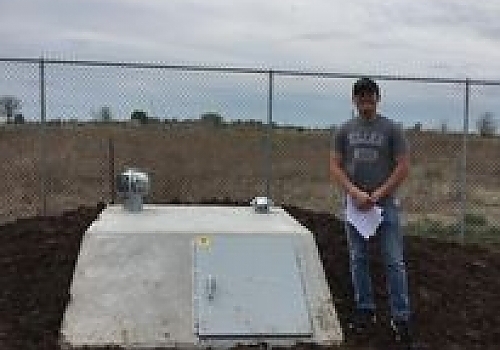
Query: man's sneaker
x=362 y=321
x=403 y=333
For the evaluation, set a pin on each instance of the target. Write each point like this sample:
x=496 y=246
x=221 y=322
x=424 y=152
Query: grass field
x=192 y=162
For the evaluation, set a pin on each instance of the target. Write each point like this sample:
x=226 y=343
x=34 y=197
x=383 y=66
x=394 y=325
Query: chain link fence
x=228 y=133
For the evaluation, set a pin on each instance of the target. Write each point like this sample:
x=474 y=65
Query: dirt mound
x=454 y=288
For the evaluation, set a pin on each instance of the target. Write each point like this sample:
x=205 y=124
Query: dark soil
x=455 y=289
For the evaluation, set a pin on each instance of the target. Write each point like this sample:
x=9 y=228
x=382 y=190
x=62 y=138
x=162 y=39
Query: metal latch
x=210 y=287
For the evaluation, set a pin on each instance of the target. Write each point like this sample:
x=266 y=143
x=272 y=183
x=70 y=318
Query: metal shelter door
x=249 y=286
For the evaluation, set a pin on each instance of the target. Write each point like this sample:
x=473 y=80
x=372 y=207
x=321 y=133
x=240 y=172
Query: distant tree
x=153 y=120
x=253 y=123
x=444 y=127
x=55 y=122
x=9 y=105
x=140 y=116
x=19 y=118
x=212 y=118
x=105 y=114
x=486 y=124
x=170 y=121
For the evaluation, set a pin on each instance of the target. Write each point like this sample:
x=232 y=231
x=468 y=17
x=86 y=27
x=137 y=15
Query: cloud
x=449 y=37
x=446 y=38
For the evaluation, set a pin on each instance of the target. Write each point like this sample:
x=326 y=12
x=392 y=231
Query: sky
x=427 y=38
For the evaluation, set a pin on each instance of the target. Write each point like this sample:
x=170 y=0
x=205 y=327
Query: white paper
x=365 y=221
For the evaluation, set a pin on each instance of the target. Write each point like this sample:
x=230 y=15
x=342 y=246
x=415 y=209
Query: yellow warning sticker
x=204 y=242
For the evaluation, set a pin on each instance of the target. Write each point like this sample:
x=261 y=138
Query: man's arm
x=338 y=175
x=399 y=174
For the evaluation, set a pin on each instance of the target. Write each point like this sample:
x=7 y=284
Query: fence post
x=43 y=170
x=111 y=167
x=463 y=197
x=269 y=153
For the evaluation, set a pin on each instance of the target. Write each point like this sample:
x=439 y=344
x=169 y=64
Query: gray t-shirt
x=369 y=149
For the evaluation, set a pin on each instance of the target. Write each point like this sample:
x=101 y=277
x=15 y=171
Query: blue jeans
x=391 y=239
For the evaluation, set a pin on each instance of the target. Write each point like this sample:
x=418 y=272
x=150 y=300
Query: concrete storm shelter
x=198 y=276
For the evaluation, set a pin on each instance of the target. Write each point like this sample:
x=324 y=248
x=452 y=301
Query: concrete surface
x=133 y=281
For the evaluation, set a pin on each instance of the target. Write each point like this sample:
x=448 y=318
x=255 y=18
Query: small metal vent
x=261 y=205
x=133 y=185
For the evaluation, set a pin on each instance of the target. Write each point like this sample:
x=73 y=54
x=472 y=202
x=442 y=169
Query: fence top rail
x=226 y=69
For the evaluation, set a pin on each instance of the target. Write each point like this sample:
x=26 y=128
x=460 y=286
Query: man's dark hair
x=365 y=85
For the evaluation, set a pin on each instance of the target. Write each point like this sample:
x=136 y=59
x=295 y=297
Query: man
x=369 y=160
